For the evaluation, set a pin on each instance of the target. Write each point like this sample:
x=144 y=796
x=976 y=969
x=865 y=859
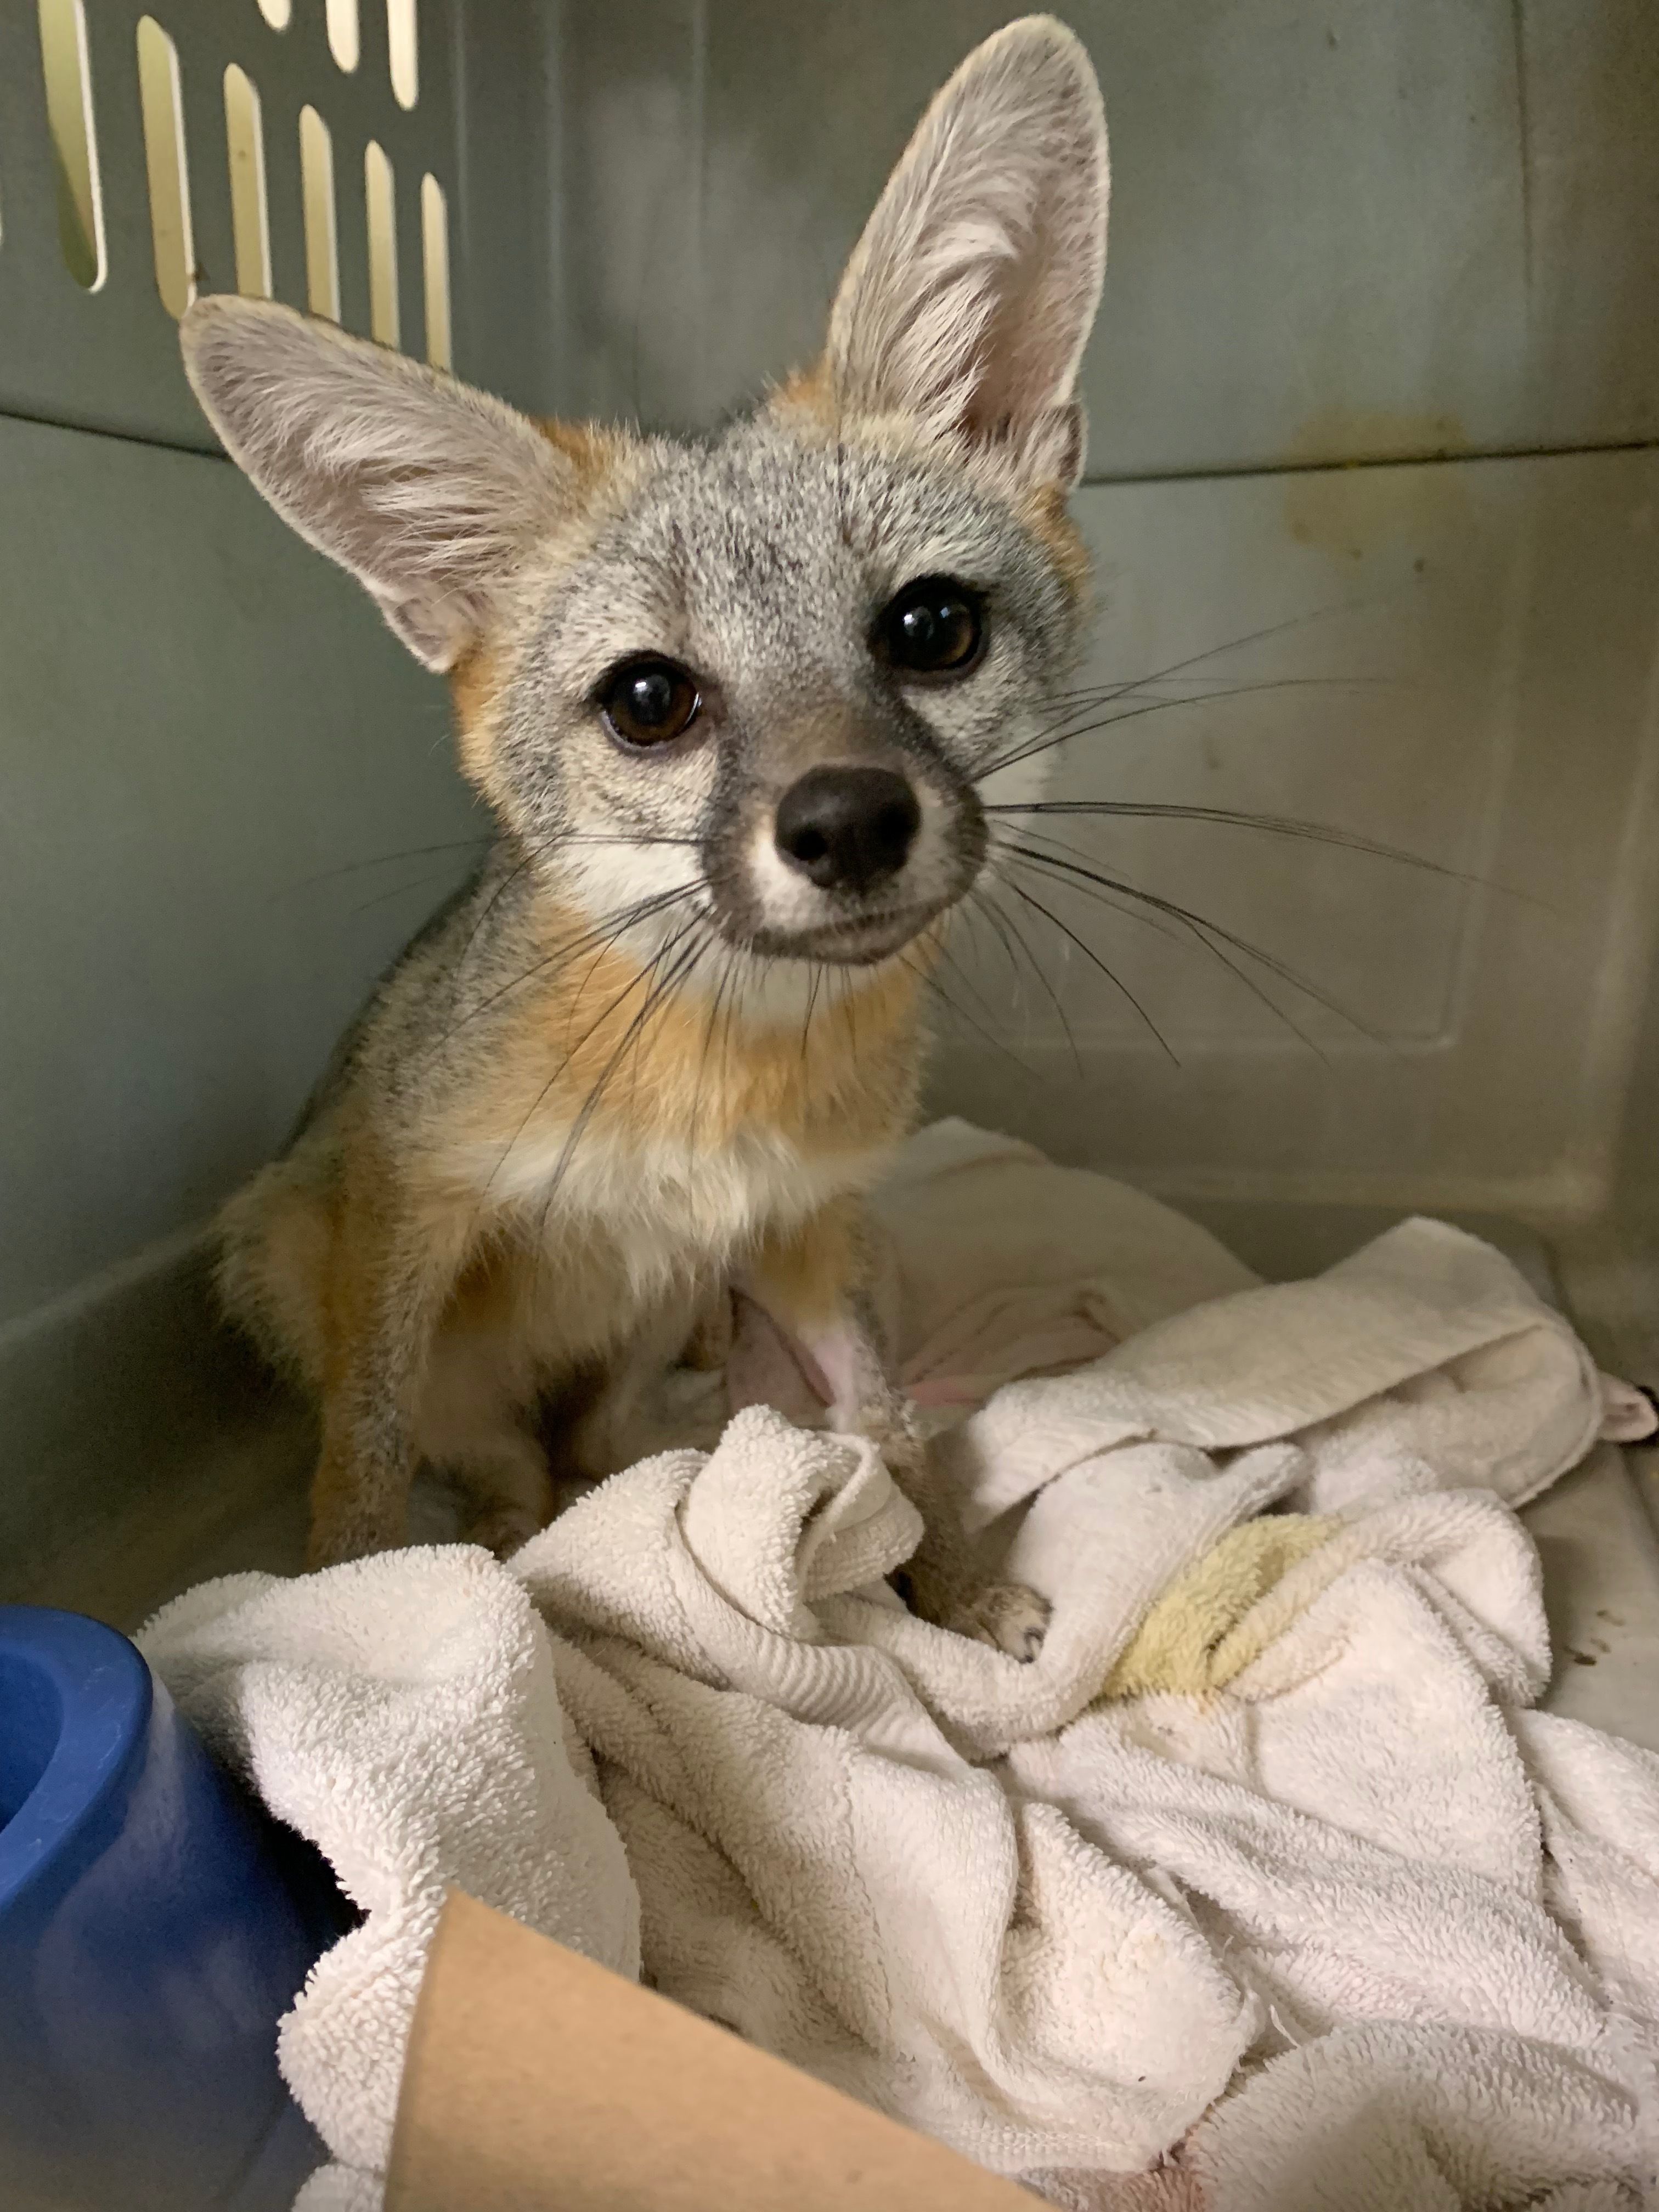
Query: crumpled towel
x=403 y=1713
x=1072 y=1937
x=1213 y=1618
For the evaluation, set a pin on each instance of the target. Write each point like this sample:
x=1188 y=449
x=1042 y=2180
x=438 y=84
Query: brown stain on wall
x=1343 y=437
x=1339 y=505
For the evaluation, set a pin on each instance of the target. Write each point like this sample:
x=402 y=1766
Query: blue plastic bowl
x=154 y=1926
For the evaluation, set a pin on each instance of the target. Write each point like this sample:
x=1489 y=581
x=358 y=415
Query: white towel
x=1051 y=1932
x=401 y=1713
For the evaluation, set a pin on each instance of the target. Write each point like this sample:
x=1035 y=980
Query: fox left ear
x=428 y=493
x=971 y=295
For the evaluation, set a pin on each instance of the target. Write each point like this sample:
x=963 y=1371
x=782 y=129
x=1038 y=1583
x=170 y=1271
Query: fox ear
x=429 y=492
x=969 y=297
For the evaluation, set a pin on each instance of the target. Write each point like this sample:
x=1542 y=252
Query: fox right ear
x=429 y=493
x=971 y=295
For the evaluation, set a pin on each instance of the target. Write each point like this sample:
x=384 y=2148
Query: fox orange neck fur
x=693 y=1071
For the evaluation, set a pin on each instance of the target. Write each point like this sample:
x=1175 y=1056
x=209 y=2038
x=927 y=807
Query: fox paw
x=1008 y=1617
x=903 y=1453
x=503 y=1529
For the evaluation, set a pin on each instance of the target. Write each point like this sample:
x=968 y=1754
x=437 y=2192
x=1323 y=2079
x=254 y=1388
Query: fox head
x=754 y=687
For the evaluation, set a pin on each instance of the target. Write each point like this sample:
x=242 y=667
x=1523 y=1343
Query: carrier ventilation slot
x=249 y=219
x=435 y=265
x=403 y=46
x=322 y=239
x=380 y=200
x=344 y=34
x=168 y=170
x=73 y=140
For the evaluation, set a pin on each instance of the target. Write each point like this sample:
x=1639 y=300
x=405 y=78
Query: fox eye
x=935 y=627
x=647 y=701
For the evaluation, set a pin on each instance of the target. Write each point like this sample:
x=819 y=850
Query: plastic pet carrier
x=1373 y=493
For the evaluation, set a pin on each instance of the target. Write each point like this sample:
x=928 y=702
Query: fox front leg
x=816 y=1286
x=390 y=1279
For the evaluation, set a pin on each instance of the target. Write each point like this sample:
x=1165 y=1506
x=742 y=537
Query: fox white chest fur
x=737 y=706
x=669 y=1213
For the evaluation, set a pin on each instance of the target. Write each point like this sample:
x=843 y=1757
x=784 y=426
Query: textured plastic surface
x=107 y=358
x=154 y=1927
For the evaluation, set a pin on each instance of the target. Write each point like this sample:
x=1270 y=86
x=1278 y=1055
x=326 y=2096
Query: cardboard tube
x=536 y=2081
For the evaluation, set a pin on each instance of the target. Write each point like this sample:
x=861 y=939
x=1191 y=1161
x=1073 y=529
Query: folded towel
x=1421 y=2118
x=1212 y=1620
x=1387 y=2118
x=402 y=1712
x=1071 y=1933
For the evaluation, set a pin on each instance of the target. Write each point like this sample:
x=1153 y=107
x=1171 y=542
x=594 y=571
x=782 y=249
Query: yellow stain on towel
x=1199 y=1635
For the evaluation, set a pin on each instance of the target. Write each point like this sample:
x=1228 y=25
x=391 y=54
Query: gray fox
x=737 y=706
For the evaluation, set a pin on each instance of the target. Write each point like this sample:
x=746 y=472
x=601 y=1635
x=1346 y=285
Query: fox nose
x=847 y=829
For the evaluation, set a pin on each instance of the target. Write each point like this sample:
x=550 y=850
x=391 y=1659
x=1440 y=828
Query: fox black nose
x=847 y=829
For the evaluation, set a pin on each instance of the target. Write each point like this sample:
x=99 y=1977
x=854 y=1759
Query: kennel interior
x=1373 y=488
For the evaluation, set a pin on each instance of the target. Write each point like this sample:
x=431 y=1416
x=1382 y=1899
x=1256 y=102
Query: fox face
x=766 y=693
x=740 y=703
